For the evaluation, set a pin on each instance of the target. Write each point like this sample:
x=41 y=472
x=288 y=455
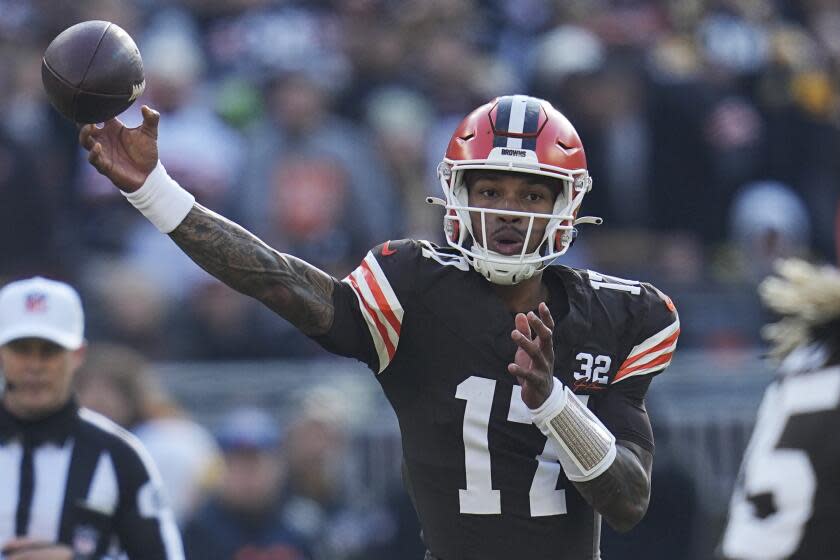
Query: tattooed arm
x=621 y=494
x=293 y=288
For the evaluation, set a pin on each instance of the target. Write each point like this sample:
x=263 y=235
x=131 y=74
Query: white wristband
x=162 y=200
x=586 y=448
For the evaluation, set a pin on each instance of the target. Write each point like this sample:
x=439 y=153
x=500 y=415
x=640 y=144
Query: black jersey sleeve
x=370 y=305
x=622 y=410
x=654 y=339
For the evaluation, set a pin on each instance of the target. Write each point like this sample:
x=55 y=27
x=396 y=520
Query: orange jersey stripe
x=664 y=344
x=383 y=330
x=622 y=373
x=380 y=298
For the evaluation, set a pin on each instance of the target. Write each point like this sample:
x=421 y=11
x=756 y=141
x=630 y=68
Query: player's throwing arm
x=296 y=290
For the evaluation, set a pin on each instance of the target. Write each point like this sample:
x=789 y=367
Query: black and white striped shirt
x=78 y=479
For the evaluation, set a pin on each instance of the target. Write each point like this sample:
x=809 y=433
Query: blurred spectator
x=131 y=308
x=316 y=498
x=400 y=119
x=314 y=185
x=768 y=221
x=27 y=213
x=116 y=382
x=216 y=323
x=243 y=520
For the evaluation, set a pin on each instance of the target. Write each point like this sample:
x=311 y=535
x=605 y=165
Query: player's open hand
x=23 y=548
x=125 y=155
x=533 y=363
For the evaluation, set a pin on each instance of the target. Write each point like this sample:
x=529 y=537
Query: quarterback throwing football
x=519 y=387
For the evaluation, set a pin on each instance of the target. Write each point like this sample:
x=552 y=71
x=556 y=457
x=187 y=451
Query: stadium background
x=711 y=130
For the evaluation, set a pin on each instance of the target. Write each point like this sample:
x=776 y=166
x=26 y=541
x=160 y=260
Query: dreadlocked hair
x=808 y=299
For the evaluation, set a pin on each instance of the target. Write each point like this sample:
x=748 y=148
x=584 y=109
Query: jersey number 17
x=479 y=497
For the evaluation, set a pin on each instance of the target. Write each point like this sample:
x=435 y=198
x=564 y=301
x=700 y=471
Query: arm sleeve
x=145 y=524
x=622 y=410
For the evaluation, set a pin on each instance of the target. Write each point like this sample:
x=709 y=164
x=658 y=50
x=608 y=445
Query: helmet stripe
x=531 y=125
x=517 y=122
x=502 y=123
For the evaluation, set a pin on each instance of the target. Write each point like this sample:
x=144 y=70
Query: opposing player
x=519 y=387
x=785 y=504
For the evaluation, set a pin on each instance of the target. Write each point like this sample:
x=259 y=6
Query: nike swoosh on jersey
x=386 y=249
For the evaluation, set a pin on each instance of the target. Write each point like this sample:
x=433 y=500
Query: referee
x=73 y=485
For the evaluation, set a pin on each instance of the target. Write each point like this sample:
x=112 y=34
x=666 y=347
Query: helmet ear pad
x=453 y=227
x=463 y=225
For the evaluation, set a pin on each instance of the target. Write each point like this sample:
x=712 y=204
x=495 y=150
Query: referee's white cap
x=42 y=308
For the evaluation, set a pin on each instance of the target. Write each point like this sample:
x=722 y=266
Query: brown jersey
x=485 y=481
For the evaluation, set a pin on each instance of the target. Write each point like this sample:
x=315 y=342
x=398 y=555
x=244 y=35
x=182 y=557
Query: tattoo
x=294 y=289
x=621 y=494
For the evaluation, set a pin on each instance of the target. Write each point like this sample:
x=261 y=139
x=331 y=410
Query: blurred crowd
x=711 y=130
x=248 y=486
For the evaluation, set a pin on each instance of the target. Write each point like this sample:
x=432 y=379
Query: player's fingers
x=522 y=374
x=20 y=544
x=15 y=544
x=96 y=158
x=86 y=136
x=531 y=347
x=521 y=323
x=539 y=327
x=151 y=118
x=544 y=338
x=545 y=315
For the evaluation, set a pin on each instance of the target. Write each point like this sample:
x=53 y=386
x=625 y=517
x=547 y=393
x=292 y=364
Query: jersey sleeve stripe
x=653 y=354
x=380 y=307
x=655 y=340
x=378 y=331
x=658 y=359
x=668 y=344
x=658 y=365
x=385 y=297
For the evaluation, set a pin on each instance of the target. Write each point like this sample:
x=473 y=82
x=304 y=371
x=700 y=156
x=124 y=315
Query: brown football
x=92 y=71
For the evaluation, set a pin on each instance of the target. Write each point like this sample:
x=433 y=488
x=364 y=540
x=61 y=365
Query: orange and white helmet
x=520 y=134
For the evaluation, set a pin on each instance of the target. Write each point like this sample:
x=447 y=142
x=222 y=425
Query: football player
x=785 y=504
x=519 y=387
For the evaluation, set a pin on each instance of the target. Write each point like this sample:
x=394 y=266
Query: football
x=92 y=71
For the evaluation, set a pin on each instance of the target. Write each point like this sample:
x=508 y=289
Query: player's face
x=518 y=192
x=38 y=376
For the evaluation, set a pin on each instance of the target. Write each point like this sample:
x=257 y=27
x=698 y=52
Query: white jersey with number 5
x=786 y=504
